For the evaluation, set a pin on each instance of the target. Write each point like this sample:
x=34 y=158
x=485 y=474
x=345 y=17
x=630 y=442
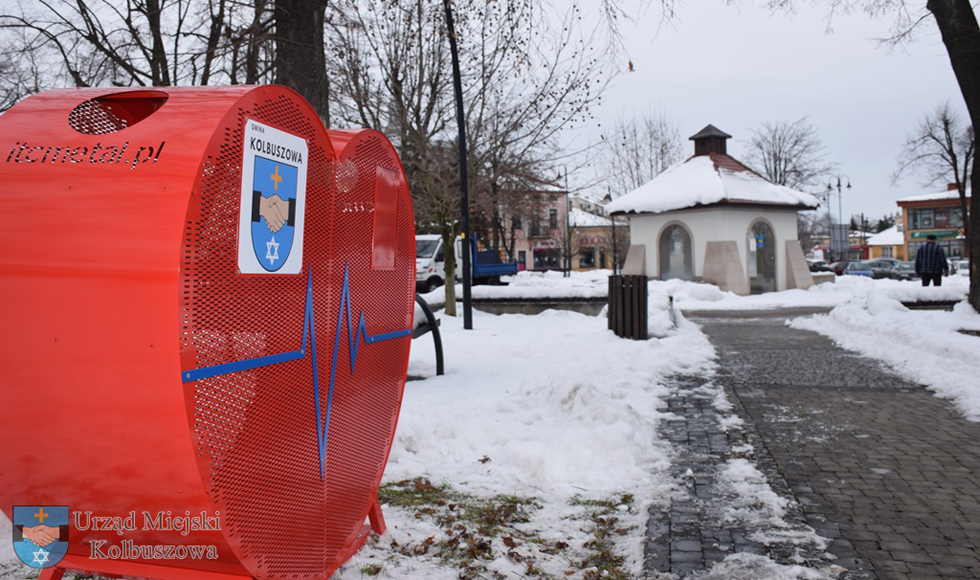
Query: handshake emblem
x=275 y=210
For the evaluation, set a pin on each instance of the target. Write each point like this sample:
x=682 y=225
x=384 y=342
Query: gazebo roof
x=709 y=131
x=704 y=180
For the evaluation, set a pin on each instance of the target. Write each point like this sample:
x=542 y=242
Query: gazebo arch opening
x=761 y=245
x=676 y=253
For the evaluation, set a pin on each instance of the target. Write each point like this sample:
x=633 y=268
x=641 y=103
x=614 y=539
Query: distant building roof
x=889 y=237
x=579 y=218
x=939 y=196
x=709 y=179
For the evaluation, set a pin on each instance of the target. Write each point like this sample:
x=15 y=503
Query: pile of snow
x=694 y=296
x=551 y=399
x=589 y=284
x=924 y=346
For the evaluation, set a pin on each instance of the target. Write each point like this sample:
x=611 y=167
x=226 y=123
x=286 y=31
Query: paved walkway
x=877 y=465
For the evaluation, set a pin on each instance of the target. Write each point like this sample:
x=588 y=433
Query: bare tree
x=135 y=43
x=527 y=75
x=103 y=42
x=789 y=153
x=960 y=31
x=639 y=149
x=810 y=229
x=942 y=151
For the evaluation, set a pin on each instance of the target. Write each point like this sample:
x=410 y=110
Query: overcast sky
x=736 y=66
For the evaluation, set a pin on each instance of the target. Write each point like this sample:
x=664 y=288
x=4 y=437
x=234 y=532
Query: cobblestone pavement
x=884 y=470
x=693 y=533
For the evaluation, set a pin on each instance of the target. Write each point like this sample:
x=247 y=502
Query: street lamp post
x=840 y=212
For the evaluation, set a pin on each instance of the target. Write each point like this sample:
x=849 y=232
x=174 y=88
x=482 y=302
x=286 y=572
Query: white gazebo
x=711 y=218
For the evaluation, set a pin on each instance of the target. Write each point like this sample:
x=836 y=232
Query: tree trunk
x=255 y=35
x=449 y=246
x=214 y=35
x=961 y=36
x=300 y=60
x=158 y=55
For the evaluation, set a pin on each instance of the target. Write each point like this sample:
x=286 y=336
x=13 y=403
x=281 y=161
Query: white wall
x=715 y=224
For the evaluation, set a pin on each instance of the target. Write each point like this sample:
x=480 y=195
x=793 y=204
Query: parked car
x=838 y=267
x=903 y=271
x=892 y=262
x=858 y=268
x=818 y=266
x=882 y=267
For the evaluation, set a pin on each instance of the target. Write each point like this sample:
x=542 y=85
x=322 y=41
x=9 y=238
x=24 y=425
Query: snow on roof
x=954 y=194
x=705 y=180
x=580 y=218
x=889 y=237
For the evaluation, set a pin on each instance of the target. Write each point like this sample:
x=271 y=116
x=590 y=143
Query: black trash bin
x=628 y=306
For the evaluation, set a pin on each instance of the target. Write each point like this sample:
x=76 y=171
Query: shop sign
x=941 y=234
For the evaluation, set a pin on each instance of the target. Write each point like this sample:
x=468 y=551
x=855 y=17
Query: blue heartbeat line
x=353 y=339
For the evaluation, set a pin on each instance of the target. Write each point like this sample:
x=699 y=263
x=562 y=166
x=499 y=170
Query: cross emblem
x=40 y=515
x=276 y=178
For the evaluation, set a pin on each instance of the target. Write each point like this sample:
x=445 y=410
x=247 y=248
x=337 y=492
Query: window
x=515 y=223
x=922 y=219
x=535 y=225
x=586 y=258
x=942 y=217
x=955 y=217
x=547 y=259
x=553 y=219
x=887 y=252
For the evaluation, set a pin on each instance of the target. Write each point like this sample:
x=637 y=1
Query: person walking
x=930 y=262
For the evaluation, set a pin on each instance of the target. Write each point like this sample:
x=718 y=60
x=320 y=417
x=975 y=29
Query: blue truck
x=430 y=263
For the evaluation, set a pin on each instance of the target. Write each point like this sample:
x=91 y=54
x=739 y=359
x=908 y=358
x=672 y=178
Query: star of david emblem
x=40 y=557
x=272 y=251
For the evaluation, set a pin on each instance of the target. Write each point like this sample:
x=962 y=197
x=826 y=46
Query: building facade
x=548 y=226
x=939 y=214
x=595 y=242
x=888 y=243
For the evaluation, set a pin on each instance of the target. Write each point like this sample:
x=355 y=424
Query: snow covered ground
x=553 y=421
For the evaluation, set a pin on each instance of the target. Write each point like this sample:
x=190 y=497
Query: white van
x=430 y=262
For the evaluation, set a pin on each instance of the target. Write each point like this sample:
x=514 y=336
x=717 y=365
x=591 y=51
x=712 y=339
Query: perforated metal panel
x=366 y=410
x=256 y=430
